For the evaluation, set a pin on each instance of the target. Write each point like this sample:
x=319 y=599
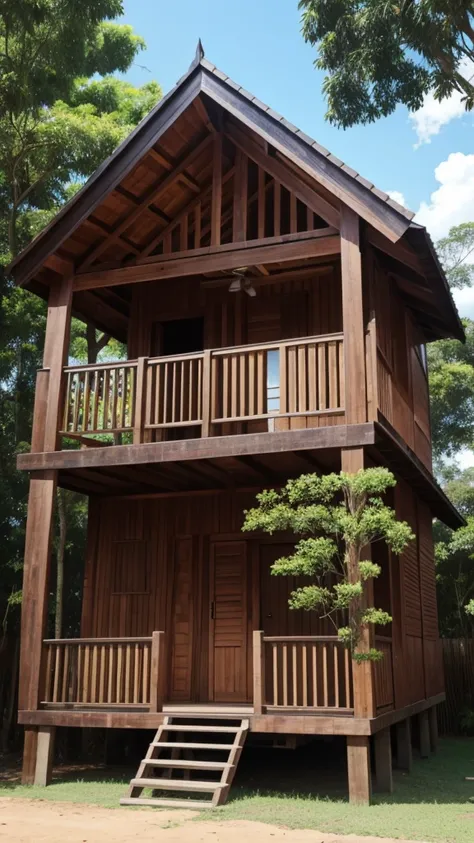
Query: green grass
x=281 y=787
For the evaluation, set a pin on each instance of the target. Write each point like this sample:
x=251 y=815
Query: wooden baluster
x=183 y=414
x=157 y=371
x=102 y=674
x=315 y=674
x=93 y=695
x=111 y=667
x=322 y=377
x=86 y=672
x=119 y=674
x=86 y=404
x=276 y=695
x=115 y=391
x=292 y=386
x=285 y=675
x=127 y=674
x=191 y=370
x=158 y=671
x=325 y=675
x=283 y=379
x=146 y=668
x=165 y=392
x=332 y=366
x=243 y=385
x=258 y=671
x=341 y=375
x=49 y=674
x=304 y=659
x=312 y=398
x=64 y=689
x=347 y=677
x=199 y=389
x=74 y=673
x=294 y=665
x=302 y=399
x=136 y=675
x=67 y=400
x=251 y=383
x=173 y=391
x=77 y=401
x=207 y=396
x=95 y=401
x=140 y=401
x=80 y=678
x=336 y=675
x=233 y=386
x=261 y=384
x=225 y=387
x=57 y=668
x=107 y=389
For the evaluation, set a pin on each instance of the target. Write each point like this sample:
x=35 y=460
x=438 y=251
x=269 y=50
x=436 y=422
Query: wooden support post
x=30 y=745
x=433 y=718
x=424 y=731
x=363 y=680
x=44 y=755
x=207 y=397
x=358 y=769
x=39 y=413
x=56 y=347
x=158 y=671
x=216 y=203
x=383 y=761
x=140 y=401
x=404 y=750
x=258 y=671
x=353 y=319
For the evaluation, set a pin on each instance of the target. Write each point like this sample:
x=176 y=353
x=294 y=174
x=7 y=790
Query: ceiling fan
x=240 y=283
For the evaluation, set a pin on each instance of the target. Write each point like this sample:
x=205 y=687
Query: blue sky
x=259 y=44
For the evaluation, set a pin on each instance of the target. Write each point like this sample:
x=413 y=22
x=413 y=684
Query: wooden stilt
x=383 y=761
x=424 y=729
x=29 y=755
x=358 y=769
x=433 y=724
x=404 y=750
x=44 y=755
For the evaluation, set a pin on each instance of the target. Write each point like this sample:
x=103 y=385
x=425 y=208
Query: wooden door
x=228 y=626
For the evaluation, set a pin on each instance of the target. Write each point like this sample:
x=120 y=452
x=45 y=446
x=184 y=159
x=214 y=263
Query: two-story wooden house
x=275 y=306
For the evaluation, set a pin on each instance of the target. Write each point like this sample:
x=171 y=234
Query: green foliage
x=378 y=54
x=454 y=251
x=338 y=516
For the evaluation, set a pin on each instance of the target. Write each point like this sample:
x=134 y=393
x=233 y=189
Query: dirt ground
x=31 y=821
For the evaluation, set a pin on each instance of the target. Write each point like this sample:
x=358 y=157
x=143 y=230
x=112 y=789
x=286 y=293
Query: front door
x=228 y=622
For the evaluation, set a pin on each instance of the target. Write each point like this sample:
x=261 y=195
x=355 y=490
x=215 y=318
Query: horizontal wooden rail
x=302 y=672
x=207 y=390
x=104 y=671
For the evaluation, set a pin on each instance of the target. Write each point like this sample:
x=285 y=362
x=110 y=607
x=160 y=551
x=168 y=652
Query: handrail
x=142 y=640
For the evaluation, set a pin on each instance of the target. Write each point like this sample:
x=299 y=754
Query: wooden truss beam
x=151 y=196
x=214 y=259
x=284 y=176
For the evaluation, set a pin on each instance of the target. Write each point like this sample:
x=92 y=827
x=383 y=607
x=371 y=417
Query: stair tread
x=184 y=745
x=188 y=728
x=166 y=803
x=176 y=784
x=174 y=762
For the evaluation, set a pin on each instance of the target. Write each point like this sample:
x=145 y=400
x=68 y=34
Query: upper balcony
x=243 y=389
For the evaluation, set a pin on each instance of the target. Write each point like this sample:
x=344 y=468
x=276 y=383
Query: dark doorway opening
x=178 y=336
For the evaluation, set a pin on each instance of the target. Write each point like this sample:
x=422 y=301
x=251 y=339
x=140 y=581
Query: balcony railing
x=302 y=672
x=104 y=672
x=211 y=390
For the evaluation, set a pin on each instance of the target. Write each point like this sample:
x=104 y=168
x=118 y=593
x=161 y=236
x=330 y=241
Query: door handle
x=212 y=611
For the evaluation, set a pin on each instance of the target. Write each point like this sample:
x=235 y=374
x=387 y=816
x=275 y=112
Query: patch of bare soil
x=31 y=821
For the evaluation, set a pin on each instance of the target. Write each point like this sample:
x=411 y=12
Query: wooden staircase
x=192 y=773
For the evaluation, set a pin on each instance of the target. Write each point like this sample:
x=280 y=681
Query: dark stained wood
x=424 y=734
x=358 y=770
x=217 y=258
x=352 y=311
x=383 y=761
x=55 y=357
x=404 y=748
x=44 y=756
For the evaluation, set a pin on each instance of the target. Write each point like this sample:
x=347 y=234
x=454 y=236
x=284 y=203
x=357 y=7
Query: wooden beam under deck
x=285 y=723
x=336 y=436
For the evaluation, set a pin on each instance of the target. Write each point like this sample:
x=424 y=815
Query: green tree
x=338 y=516
x=57 y=125
x=455 y=251
x=378 y=54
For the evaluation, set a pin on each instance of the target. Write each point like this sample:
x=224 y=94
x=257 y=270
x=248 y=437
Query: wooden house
x=275 y=307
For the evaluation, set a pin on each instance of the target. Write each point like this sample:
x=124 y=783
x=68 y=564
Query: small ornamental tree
x=338 y=517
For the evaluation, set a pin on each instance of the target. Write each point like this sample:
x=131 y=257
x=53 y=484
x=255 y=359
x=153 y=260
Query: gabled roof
x=372 y=205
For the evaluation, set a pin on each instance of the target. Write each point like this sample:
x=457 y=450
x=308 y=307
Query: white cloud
x=453 y=202
x=397 y=197
x=433 y=115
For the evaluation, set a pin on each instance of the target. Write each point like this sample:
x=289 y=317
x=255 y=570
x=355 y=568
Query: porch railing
x=296 y=672
x=104 y=672
x=208 y=389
